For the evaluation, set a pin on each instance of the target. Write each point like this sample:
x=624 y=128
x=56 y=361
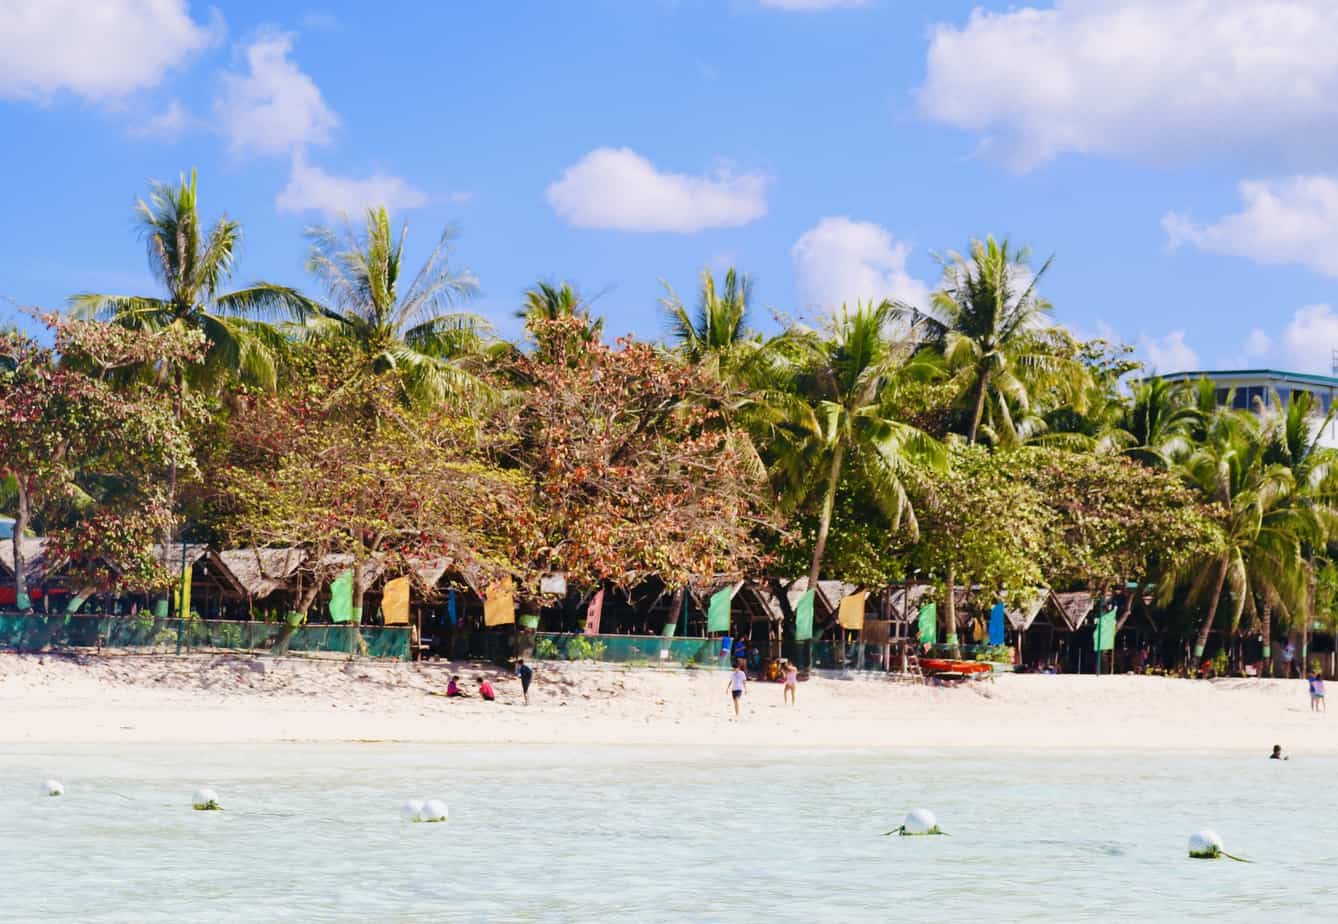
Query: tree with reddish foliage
x=67 y=435
x=630 y=474
x=357 y=481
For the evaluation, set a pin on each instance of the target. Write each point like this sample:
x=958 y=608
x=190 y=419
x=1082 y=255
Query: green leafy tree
x=66 y=432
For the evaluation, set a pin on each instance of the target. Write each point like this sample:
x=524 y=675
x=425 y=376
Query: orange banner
x=851 y=614
x=499 y=607
x=395 y=602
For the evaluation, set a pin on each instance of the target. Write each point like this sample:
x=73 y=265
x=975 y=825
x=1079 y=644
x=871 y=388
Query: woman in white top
x=738 y=681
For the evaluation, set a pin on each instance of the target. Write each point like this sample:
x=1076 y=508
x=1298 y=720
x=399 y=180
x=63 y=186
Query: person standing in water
x=525 y=674
x=738 y=682
x=791 y=681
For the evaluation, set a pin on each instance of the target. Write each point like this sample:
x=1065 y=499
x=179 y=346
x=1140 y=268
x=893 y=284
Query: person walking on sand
x=525 y=674
x=1317 y=693
x=738 y=682
x=791 y=681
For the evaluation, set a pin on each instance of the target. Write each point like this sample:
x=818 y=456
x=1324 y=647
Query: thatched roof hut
x=256 y=573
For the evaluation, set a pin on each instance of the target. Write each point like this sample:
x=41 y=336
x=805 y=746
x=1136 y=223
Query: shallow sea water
x=312 y=833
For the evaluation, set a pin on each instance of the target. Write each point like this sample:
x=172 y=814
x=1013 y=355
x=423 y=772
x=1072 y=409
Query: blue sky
x=1176 y=156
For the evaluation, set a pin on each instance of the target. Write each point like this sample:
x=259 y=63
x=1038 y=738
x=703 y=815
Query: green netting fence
x=633 y=650
x=33 y=632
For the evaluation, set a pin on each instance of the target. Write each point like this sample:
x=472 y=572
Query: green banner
x=1103 y=638
x=341 y=598
x=929 y=624
x=717 y=615
x=803 y=617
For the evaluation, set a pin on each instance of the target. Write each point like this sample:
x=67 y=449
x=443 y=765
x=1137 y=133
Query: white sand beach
x=203 y=699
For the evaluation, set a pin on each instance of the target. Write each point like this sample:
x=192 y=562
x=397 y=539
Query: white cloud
x=312 y=189
x=100 y=51
x=1258 y=343
x=1310 y=339
x=1169 y=353
x=618 y=189
x=168 y=125
x=1289 y=221
x=1144 y=79
x=842 y=261
x=806 y=5
x=274 y=108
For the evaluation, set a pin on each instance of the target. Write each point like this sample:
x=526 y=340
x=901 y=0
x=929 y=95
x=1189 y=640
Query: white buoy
x=434 y=810
x=411 y=810
x=205 y=800
x=920 y=821
x=1205 y=845
x=53 y=788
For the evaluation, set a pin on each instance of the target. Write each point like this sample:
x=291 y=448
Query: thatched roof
x=1072 y=608
x=34 y=557
x=258 y=573
x=371 y=569
x=171 y=555
x=1021 y=617
x=906 y=601
x=761 y=602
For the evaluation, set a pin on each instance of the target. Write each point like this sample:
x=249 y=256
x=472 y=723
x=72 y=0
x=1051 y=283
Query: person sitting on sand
x=1277 y=753
x=485 y=690
x=1317 y=693
x=453 y=688
x=791 y=681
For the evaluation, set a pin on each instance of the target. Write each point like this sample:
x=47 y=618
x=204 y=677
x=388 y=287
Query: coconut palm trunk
x=22 y=515
x=982 y=391
x=1207 y=626
x=825 y=519
x=1266 y=631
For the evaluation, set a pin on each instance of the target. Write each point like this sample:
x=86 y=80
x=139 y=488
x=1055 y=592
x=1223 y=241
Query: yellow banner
x=395 y=602
x=499 y=605
x=851 y=614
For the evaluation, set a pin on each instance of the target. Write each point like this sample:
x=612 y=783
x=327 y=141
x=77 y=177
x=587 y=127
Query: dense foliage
x=971 y=441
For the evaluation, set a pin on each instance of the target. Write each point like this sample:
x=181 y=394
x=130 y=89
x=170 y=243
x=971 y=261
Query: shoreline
x=223 y=699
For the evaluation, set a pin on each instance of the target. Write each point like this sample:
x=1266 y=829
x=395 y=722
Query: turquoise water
x=312 y=833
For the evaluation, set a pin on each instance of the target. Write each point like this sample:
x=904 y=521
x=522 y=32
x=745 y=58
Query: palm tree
x=413 y=333
x=1159 y=422
x=1293 y=442
x=716 y=332
x=840 y=419
x=986 y=318
x=1262 y=526
x=193 y=264
x=548 y=307
x=716 y=338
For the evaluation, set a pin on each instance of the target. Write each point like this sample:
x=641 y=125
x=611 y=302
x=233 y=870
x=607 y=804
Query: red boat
x=941 y=666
